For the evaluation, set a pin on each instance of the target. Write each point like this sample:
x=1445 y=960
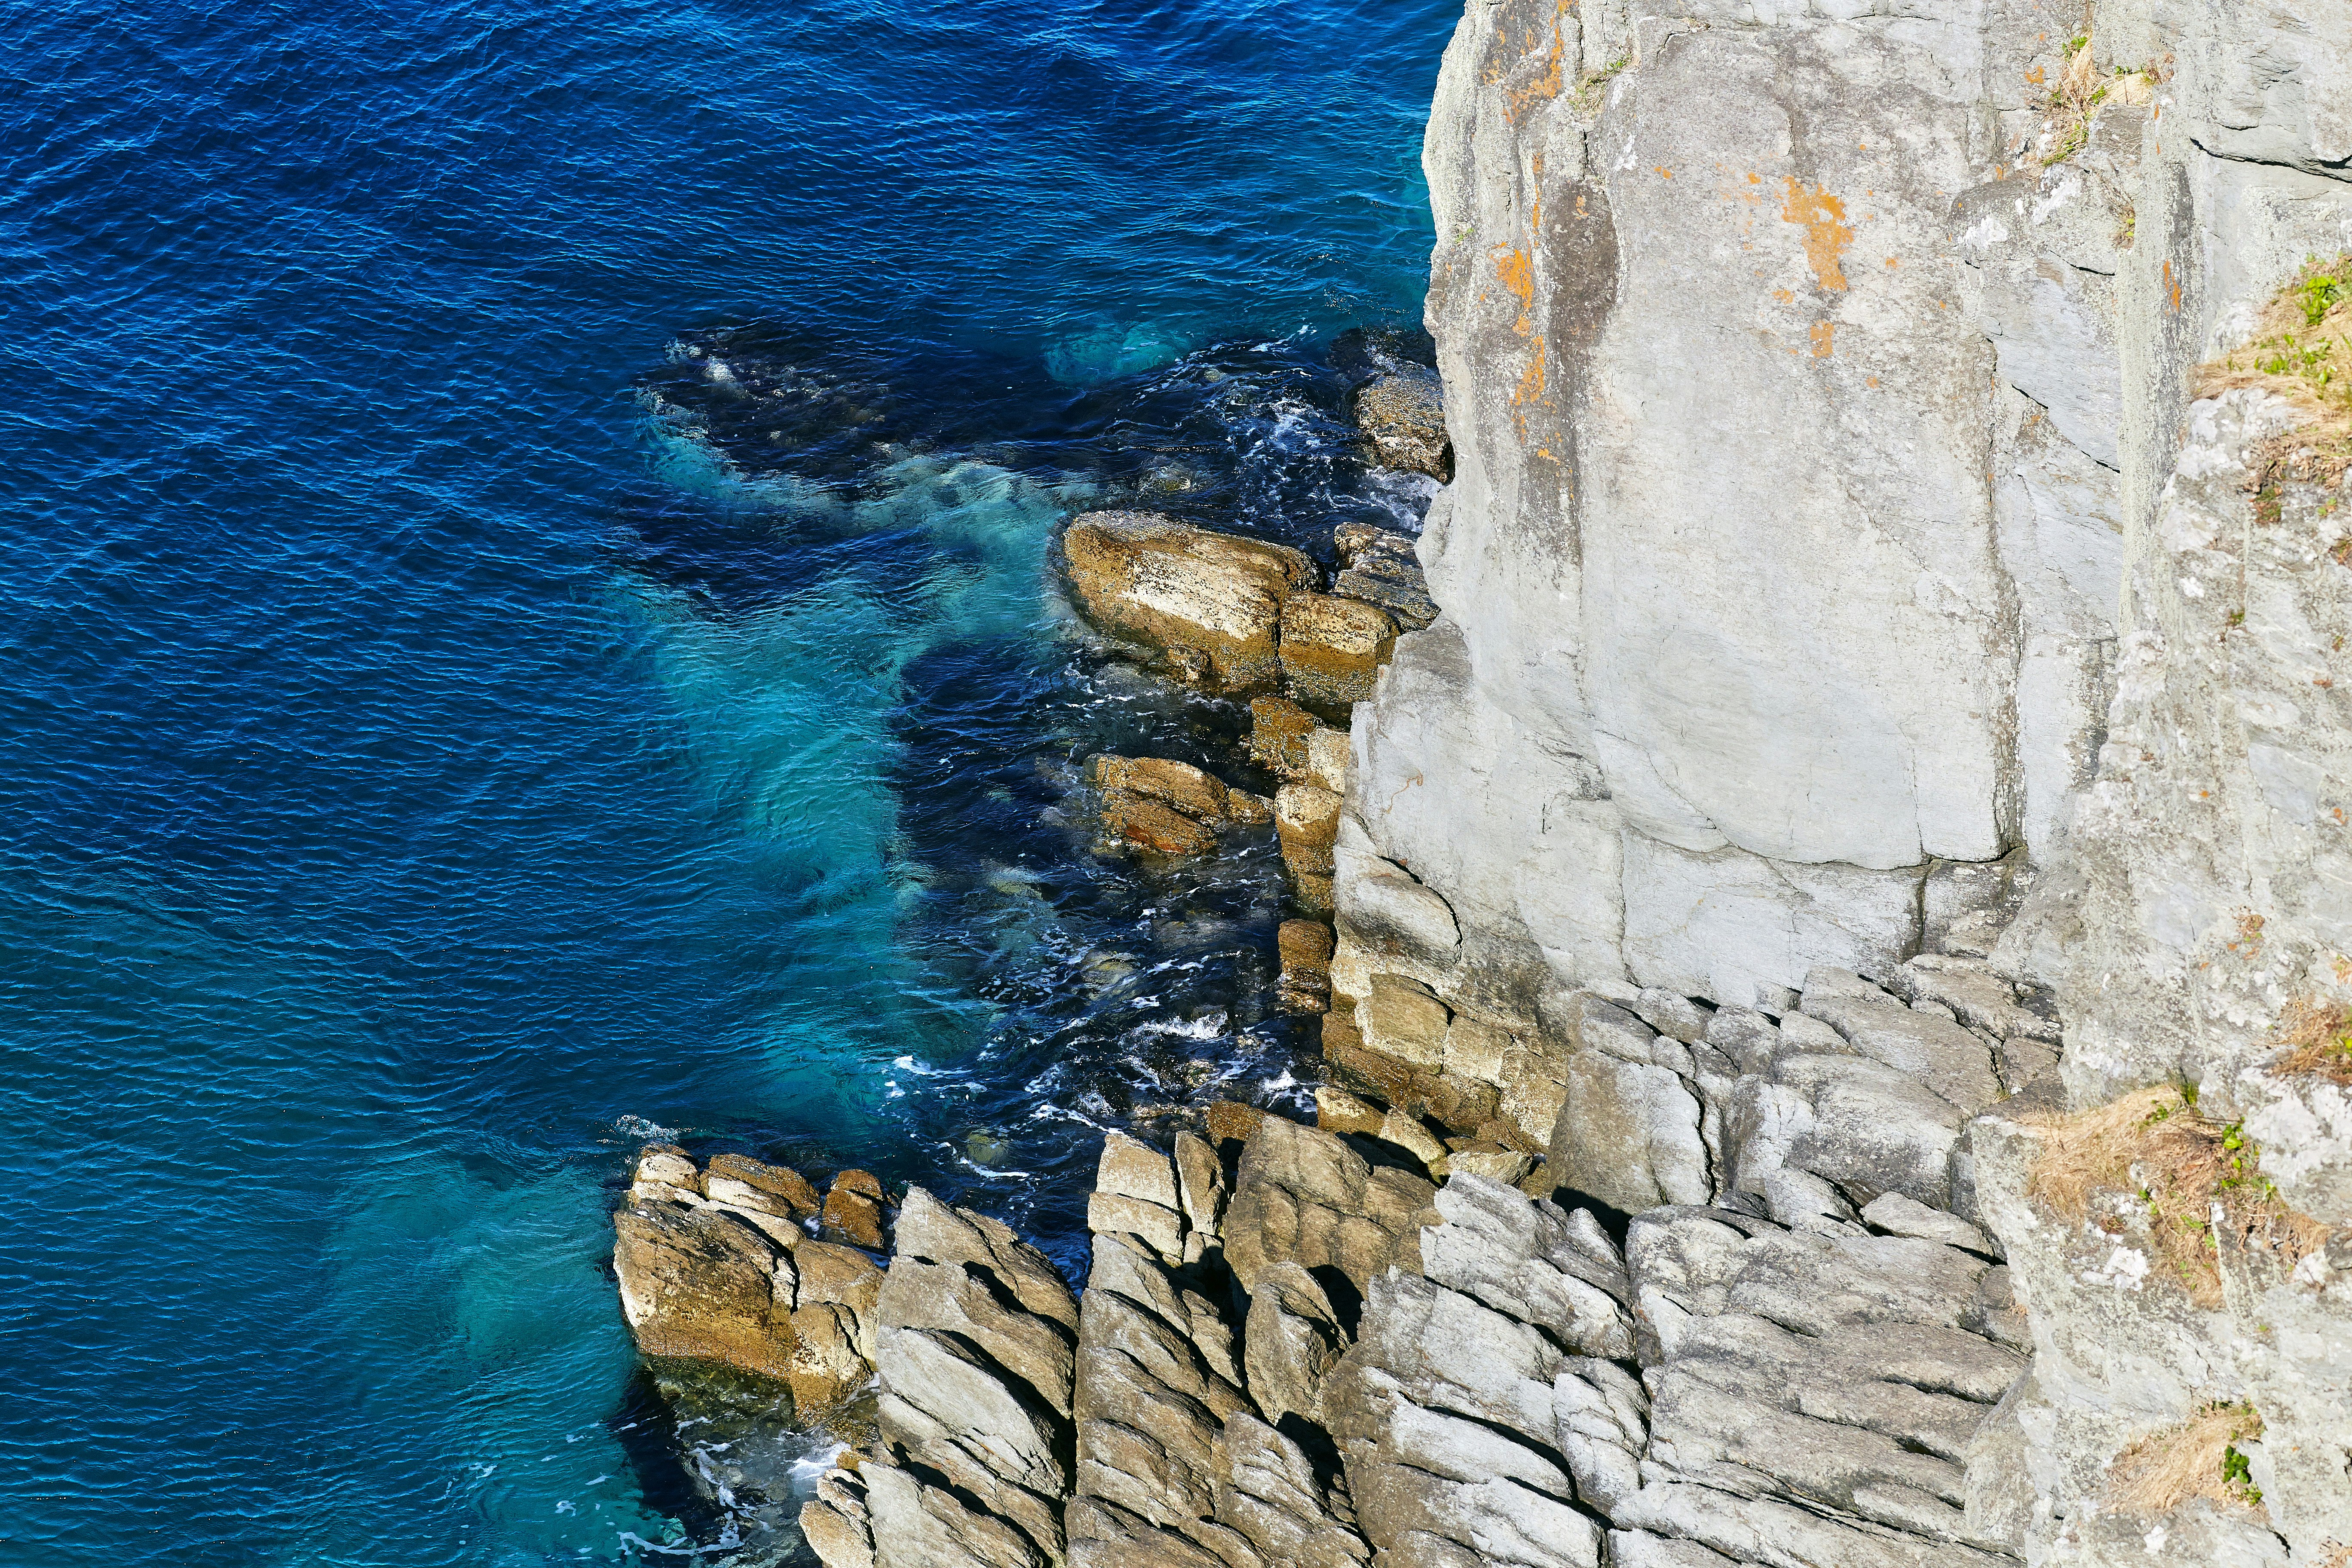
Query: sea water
x=526 y=626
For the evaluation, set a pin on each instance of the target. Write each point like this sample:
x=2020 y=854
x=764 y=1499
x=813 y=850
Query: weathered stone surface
x=1135 y=1194
x=1274 y=1497
x=1305 y=947
x=1403 y=416
x=1533 y=1261
x=1834 y=1368
x=1306 y=819
x=1178 y=785
x=665 y=1173
x=837 y=1523
x=825 y=1360
x=1628 y=1134
x=701 y=1284
x=747 y=1183
x=1381 y=568
x=1333 y=648
x=1154 y=827
x=1443 y=1411
x=1279 y=732
x=975 y=1351
x=1934 y=1052
x=1305 y=1198
x=1168 y=585
x=1292 y=1336
x=854 y=1216
x=1151 y=1402
x=915 y=1525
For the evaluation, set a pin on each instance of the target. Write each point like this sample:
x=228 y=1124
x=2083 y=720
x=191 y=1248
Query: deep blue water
x=525 y=620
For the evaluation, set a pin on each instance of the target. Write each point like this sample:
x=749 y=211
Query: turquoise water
x=527 y=627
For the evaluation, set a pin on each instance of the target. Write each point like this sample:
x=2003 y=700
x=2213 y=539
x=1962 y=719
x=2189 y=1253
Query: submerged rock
x=1168 y=807
x=1170 y=585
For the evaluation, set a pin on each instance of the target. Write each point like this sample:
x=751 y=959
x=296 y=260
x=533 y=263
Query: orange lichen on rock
x=1823 y=217
x=1547 y=85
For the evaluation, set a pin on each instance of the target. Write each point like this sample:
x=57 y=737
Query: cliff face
x=1844 y=567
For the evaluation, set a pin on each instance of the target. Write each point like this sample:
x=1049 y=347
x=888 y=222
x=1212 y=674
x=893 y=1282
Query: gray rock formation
x=1863 y=800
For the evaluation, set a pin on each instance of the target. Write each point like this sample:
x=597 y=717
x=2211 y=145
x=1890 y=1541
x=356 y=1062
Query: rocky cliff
x=1839 y=976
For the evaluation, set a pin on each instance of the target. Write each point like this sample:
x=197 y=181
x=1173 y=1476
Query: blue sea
x=527 y=624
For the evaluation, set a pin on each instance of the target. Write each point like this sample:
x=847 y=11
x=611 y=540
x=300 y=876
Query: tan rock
x=865 y=1182
x=747 y=1183
x=1332 y=648
x=1402 y=418
x=665 y=1173
x=1178 y=784
x=1305 y=946
x=1200 y=1182
x=1308 y=820
x=1407 y=1133
x=842 y=1276
x=1246 y=809
x=700 y=1285
x=1337 y=1110
x=1279 y=732
x=854 y=1216
x=1158 y=1227
x=1230 y=1121
x=1154 y=827
x=1153 y=580
x=1313 y=892
x=1402 y=1019
x=1303 y=1197
x=1306 y=950
x=1135 y=1168
x=826 y=1363
x=1327 y=758
x=1508 y=1166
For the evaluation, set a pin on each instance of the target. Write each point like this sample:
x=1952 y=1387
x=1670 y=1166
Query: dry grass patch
x=2160 y=1472
x=2319 y=1041
x=2180 y=1165
x=2302 y=350
x=2079 y=96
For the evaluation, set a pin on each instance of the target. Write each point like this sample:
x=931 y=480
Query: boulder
x=1403 y=416
x=1304 y=1196
x=1306 y=950
x=1278 y=731
x=1332 y=648
x=853 y=1212
x=1291 y=1339
x=701 y=1285
x=747 y=1183
x=1628 y=1134
x=1168 y=585
x=1178 y=785
x=825 y=1362
x=1156 y=827
x=1382 y=568
x=1307 y=819
x=1135 y=1194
